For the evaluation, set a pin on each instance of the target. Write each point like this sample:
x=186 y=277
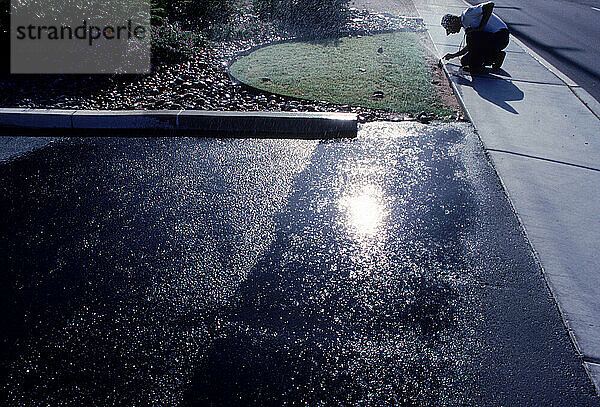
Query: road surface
x=386 y=270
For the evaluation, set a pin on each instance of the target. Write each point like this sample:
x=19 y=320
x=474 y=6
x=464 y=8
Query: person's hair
x=451 y=21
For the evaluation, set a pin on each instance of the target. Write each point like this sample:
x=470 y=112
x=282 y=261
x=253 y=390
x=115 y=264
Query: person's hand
x=449 y=56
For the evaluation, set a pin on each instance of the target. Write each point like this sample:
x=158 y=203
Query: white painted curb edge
x=174 y=122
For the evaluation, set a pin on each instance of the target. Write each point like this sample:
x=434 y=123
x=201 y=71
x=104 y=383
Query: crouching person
x=486 y=37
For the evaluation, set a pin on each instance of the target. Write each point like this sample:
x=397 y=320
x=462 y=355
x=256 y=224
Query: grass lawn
x=349 y=71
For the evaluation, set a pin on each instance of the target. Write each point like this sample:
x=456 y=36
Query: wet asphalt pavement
x=385 y=270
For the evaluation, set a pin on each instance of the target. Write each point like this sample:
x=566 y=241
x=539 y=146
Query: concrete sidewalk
x=541 y=132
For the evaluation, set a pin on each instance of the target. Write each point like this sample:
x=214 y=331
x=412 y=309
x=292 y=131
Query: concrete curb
x=461 y=102
x=308 y=125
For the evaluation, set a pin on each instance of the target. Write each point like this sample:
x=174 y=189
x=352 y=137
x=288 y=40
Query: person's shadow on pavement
x=495 y=89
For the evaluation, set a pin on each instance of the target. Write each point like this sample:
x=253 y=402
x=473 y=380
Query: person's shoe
x=499 y=60
x=472 y=69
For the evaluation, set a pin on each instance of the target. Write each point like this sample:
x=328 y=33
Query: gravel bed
x=200 y=83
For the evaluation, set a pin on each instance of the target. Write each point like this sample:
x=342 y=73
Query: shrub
x=167 y=8
x=306 y=18
x=197 y=14
x=4 y=15
x=171 y=44
x=4 y=35
x=243 y=25
x=204 y=13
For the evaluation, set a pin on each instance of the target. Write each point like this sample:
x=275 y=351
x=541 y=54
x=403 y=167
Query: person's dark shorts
x=484 y=47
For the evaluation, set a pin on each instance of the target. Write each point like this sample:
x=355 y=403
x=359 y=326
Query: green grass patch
x=349 y=71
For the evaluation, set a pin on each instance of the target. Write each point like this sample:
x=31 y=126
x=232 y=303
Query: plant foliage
x=306 y=18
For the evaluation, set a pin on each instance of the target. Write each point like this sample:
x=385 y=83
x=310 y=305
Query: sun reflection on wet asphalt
x=239 y=272
x=365 y=212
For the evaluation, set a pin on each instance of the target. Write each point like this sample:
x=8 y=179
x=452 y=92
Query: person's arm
x=486 y=10
x=457 y=54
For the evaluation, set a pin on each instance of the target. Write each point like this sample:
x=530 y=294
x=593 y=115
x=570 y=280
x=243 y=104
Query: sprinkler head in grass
x=378 y=94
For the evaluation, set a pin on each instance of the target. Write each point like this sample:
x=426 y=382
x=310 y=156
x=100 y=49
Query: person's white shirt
x=471 y=18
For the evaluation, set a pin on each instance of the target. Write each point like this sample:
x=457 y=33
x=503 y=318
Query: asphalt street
x=385 y=270
x=565 y=33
